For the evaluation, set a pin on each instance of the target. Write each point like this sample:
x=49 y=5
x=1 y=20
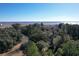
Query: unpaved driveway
x=15 y=51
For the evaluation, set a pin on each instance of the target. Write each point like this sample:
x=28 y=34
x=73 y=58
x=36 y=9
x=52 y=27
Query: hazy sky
x=39 y=12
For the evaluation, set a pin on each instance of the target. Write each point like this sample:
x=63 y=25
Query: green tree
x=8 y=38
x=70 y=48
x=50 y=52
x=56 y=42
x=42 y=45
x=16 y=26
x=59 y=52
x=31 y=49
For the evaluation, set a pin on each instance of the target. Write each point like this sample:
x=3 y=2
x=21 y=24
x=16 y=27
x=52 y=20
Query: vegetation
x=31 y=49
x=8 y=38
x=44 y=40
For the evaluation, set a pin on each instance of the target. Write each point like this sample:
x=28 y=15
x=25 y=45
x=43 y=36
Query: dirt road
x=15 y=51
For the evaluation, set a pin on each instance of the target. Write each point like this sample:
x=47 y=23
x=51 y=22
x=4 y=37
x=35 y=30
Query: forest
x=44 y=40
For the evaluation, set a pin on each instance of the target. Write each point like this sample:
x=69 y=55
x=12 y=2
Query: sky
x=39 y=12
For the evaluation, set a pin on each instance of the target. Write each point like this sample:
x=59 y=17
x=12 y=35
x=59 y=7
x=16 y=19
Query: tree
x=56 y=42
x=42 y=45
x=50 y=52
x=59 y=52
x=16 y=26
x=70 y=48
x=31 y=49
x=8 y=38
x=61 y=25
x=41 y=24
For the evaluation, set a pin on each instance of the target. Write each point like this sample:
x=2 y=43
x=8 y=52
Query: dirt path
x=15 y=51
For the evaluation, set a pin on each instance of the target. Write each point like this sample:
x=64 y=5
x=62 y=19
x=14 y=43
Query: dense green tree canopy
x=8 y=38
x=31 y=49
x=45 y=40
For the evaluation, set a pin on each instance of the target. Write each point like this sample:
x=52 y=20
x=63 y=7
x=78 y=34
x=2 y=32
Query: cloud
x=55 y=18
x=65 y=19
